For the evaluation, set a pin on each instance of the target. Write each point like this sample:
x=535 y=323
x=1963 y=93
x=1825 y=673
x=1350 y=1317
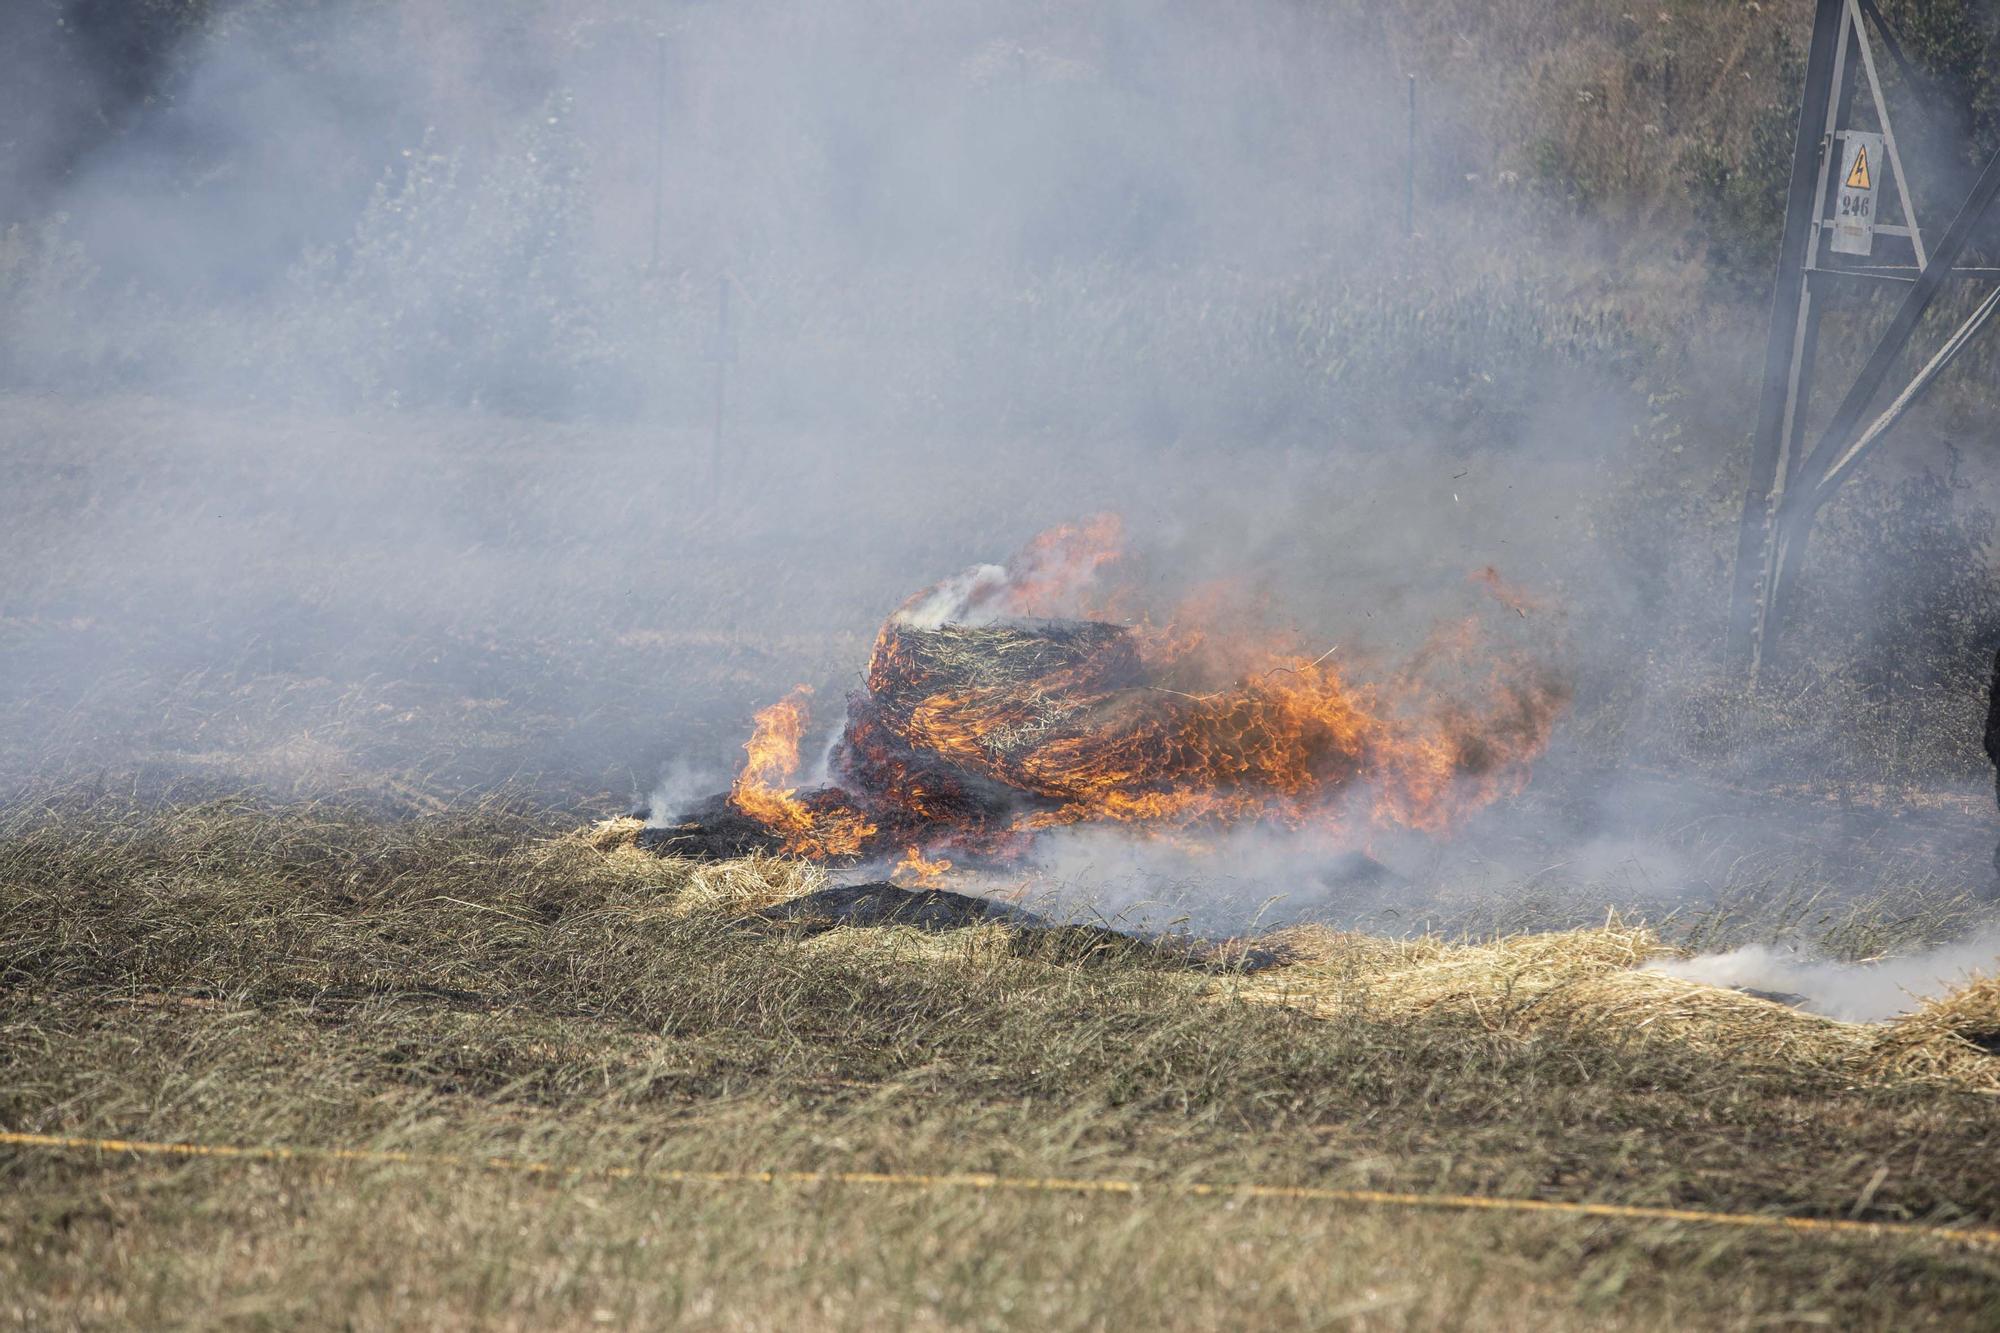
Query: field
x=301 y=901
x=430 y=432
x=467 y=986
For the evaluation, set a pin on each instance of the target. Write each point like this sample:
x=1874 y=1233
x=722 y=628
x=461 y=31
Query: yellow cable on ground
x=1985 y=1236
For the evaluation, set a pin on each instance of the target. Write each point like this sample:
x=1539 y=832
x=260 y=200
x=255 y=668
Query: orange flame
x=763 y=791
x=1517 y=600
x=1276 y=748
x=928 y=873
x=1048 y=574
x=977 y=734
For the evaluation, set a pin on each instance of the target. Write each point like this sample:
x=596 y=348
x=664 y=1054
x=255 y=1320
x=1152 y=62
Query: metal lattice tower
x=1831 y=232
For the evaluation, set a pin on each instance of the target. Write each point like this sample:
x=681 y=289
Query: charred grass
x=471 y=983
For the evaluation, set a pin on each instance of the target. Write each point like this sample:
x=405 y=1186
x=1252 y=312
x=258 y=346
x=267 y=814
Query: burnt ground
x=1570 y=847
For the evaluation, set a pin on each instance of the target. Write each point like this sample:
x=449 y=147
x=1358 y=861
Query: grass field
x=288 y=858
x=476 y=983
x=433 y=429
x=365 y=540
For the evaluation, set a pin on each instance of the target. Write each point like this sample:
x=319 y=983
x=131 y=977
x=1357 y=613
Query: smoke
x=680 y=785
x=364 y=373
x=1858 y=992
x=530 y=206
x=966 y=598
x=372 y=409
x=1048 y=576
x=1237 y=881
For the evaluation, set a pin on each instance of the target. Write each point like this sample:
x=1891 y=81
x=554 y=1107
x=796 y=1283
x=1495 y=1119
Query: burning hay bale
x=981 y=722
x=912 y=663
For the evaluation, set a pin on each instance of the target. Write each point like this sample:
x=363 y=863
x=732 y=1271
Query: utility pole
x=1831 y=226
x=1788 y=351
x=722 y=352
x=1410 y=166
x=659 y=145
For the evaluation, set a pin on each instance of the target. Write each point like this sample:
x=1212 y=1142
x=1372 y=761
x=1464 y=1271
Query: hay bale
x=892 y=774
x=913 y=794
x=938 y=736
x=910 y=664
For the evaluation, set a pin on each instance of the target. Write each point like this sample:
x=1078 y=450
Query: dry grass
x=1574 y=982
x=1583 y=982
x=1950 y=1036
x=486 y=982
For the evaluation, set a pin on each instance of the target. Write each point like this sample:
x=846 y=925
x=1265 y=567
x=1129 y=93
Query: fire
x=978 y=725
x=1052 y=570
x=1505 y=593
x=928 y=873
x=820 y=829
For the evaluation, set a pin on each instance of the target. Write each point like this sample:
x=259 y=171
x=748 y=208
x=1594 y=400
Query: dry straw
x=1573 y=981
x=980 y=1180
x=1588 y=982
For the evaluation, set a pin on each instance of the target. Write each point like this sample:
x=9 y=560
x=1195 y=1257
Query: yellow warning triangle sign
x=1857 y=175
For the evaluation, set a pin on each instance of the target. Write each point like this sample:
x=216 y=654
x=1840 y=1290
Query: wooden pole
x=1410 y=166
x=659 y=146
x=722 y=356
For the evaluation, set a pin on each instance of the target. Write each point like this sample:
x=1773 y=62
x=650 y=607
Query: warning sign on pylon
x=1854 y=198
x=1857 y=175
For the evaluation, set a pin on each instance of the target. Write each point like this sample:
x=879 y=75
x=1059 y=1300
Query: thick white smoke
x=362 y=401
x=1858 y=992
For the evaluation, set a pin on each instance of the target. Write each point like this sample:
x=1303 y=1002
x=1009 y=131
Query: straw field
x=367 y=535
x=488 y=981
